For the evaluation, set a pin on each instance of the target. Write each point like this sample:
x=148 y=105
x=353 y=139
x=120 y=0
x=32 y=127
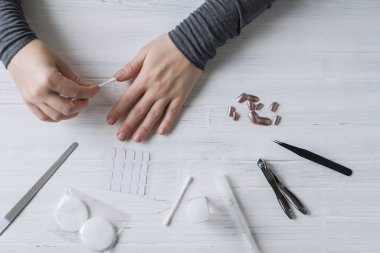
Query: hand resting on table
x=163 y=78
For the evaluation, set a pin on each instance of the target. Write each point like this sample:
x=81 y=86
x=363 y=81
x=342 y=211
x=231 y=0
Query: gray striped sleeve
x=15 y=32
x=212 y=24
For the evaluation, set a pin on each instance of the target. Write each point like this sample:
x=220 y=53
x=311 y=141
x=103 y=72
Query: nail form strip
x=125 y=170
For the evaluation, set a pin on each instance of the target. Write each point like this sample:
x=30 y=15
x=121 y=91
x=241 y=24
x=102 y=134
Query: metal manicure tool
x=24 y=201
x=283 y=194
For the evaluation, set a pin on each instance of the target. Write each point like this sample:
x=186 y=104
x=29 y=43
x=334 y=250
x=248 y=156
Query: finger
x=53 y=114
x=154 y=115
x=66 y=70
x=71 y=89
x=170 y=116
x=65 y=106
x=36 y=111
x=135 y=116
x=132 y=69
x=125 y=102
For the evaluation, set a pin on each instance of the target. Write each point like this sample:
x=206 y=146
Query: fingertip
x=87 y=83
x=120 y=76
x=110 y=120
x=161 y=131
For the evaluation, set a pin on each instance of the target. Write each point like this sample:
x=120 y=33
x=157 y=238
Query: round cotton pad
x=98 y=233
x=71 y=214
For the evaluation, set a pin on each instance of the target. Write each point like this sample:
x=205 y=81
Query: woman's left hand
x=163 y=79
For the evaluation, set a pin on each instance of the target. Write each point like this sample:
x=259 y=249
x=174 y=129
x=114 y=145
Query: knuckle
x=75 y=93
x=49 y=77
x=67 y=110
x=126 y=128
x=138 y=112
x=160 y=85
x=143 y=130
x=130 y=69
x=173 y=111
x=39 y=92
x=155 y=115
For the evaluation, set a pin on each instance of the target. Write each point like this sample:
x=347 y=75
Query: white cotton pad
x=198 y=209
x=71 y=214
x=98 y=233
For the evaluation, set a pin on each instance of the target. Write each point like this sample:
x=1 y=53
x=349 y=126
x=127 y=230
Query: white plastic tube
x=236 y=212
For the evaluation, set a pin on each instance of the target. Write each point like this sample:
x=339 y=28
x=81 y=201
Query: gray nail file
x=23 y=202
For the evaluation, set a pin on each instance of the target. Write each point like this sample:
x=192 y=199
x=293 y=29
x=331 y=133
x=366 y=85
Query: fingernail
x=137 y=137
x=121 y=136
x=110 y=120
x=119 y=74
x=161 y=131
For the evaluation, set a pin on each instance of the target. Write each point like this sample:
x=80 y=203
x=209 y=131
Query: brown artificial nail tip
x=256 y=119
x=242 y=98
x=251 y=105
x=252 y=98
x=231 y=111
x=259 y=106
x=274 y=106
x=253 y=116
x=235 y=116
x=276 y=120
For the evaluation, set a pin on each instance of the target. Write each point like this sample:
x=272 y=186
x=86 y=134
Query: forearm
x=15 y=32
x=212 y=24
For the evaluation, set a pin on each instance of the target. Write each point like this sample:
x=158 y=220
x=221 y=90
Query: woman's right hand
x=47 y=85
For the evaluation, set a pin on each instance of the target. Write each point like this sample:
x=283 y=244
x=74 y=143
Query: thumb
x=132 y=69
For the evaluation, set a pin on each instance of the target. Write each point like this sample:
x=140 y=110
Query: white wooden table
x=319 y=59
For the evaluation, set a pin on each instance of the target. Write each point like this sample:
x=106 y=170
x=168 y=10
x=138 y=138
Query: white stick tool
x=113 y=79
x=178 y=200
x=234 y=207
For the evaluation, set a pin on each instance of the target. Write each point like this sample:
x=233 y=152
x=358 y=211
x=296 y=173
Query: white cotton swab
x=113 y=79
x=178 y=200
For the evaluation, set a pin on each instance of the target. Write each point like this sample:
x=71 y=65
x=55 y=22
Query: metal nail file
x=24 y=201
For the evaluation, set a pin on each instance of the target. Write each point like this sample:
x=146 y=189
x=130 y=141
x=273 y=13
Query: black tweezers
x=316 y=158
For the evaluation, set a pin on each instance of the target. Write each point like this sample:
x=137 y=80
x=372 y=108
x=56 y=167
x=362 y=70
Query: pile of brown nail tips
x=254 y=105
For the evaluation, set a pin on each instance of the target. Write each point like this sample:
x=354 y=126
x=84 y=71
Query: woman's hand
x=47 y=85
x=163 y=78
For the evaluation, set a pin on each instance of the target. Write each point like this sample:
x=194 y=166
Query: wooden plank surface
x=319 y=59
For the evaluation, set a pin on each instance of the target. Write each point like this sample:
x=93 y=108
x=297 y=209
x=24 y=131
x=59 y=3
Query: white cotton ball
x=71 y=214
x=198 y=209
x=98 y=233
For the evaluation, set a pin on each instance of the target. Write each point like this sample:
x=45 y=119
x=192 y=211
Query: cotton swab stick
x=236 y=212
x=178 y=200
x=113 y=79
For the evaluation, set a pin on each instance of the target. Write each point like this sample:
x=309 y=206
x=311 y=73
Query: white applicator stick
x=178 y=200
x=113 y=79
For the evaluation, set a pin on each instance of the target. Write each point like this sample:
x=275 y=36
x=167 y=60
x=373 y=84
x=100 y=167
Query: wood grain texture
x=319 y=59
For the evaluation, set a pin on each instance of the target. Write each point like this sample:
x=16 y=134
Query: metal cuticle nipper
x=283 y=194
